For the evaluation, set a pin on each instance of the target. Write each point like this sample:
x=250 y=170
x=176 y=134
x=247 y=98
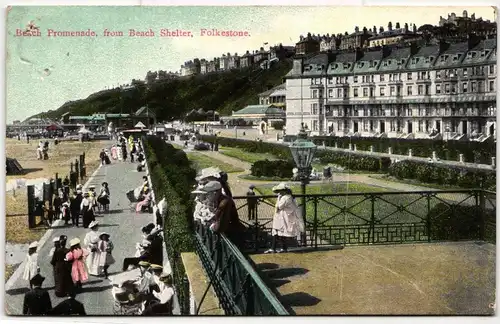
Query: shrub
x=173 y=178
x=273 y=169
x=444 y=174
x=454 y=223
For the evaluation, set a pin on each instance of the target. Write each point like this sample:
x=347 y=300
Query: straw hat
x=156 y=267
x=93 y=224
x=208 y=173
x=102 y=234
x=74 y=241
x=33 y=245
x=144 y=264
x=280 y=187
x=211 y=186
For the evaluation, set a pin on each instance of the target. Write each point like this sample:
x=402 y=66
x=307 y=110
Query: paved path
x=123 y=225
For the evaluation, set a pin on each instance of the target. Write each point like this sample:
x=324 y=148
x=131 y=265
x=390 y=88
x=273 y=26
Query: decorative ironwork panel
x=238 y=286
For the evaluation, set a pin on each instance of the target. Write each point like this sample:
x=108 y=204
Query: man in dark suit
x=70 y=306
x=37 y=301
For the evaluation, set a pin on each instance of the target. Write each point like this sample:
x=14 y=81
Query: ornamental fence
x=378 y=217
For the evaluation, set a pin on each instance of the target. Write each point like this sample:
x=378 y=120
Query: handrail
x=256 y=278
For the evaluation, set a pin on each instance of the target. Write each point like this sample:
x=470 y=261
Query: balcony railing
x=380 y=217
x=239 y=288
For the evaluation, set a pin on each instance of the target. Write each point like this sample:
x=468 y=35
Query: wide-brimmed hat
x=156 y=267
x=211 y=186
x=280 y=187
x=198 y=190
x=63 y=238
x=209 y=173
x=79 y=186
x=91 y=187
x=74 y=241
x=33 y=245
x=145 y=264
x=104 y=234
x=104 y=183
x=93 y=224
x=37 y=280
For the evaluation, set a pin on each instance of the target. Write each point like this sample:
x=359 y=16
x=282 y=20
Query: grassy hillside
x=170 y=99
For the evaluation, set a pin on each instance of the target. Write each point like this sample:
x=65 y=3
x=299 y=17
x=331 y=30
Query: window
x=365 y=92
x=330 y=93
x=355 y=92
x=392 y=90
x=355 y=79
x=480 y=86
x=492 y=86
x=464 y=87
x=373 y=78
x=382 y=91
x=447 y=88
x=339 y=93
x=372 y=92
x=314 y=108
x=363 y=78
x=382 y=77
x=315 y=125
x=420 y=89
x=330 y=80
x=438 y=88
x=409 y=112
x=465 y=72
x=409 y=90
x=314 y=94
x=427 y=89
x=409 y=76
x=365 y=125
x=420 y=126
x=492 y=69
x=473 y=87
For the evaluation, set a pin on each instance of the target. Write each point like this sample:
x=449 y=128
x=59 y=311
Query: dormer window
x=335 y=66
x=427 y=60
x=443 y=58
x=360 y=64
x=469 y=55
x=484 y=53
x=389 y=62
x=414 y=60
x=403 y=61
x=455 y=58
x=385 y=63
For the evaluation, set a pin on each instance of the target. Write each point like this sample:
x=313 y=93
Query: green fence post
x=31 y=206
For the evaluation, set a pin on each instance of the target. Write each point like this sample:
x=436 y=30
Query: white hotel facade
x=436 y=91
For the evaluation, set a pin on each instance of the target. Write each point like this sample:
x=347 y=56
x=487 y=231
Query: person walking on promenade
x=75 y=205
x=55 y=247
x=62 y=271
x=77 y=256
x=287 y=220
x=37 y=300
x=31 y=267
x=86 y=210
x=90 y=242
x=106 y=257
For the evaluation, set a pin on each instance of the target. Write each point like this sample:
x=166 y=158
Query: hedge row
x=444 y=174
x=346 y=160
x=273 y=169
x=474 y=152
x=422 y=171
x=173 y=178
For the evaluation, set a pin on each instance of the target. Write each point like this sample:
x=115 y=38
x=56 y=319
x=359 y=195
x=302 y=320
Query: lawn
x=244 y=155
x=201 y=161
x=60 y=157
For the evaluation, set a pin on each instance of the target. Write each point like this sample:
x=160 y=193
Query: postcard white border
x=287 y=320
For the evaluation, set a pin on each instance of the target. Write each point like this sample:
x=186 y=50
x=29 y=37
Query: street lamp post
x=303 y=152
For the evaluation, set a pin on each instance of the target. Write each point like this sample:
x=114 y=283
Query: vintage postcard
x=271 y=160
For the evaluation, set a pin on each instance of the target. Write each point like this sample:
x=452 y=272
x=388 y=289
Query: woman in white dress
x=31 y=267
x=90 y=242
x=287 y=220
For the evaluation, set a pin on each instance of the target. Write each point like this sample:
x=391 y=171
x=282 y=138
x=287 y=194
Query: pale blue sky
x=96 y=62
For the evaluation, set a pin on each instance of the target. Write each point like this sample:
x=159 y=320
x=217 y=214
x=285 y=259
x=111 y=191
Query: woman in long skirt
x=287 y=220
x=77 y=256
x=86 y=210
x=62 y=272
x=31 y=267
x=90 y=242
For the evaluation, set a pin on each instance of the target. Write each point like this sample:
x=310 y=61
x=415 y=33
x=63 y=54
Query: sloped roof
x=260 y=110
x=271 y=91
x=144 y=111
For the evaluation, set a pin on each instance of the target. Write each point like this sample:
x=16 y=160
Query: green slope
x=171 y=99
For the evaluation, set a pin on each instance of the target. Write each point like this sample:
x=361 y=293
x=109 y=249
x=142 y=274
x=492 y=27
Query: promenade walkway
x=121 y=222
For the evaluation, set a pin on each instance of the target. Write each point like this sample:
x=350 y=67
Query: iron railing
x=239 y=288
x=380 y=217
